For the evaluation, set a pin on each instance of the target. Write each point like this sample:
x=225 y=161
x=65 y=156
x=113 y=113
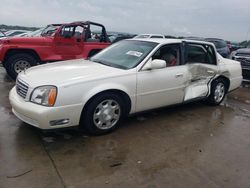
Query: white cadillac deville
x=128 y=77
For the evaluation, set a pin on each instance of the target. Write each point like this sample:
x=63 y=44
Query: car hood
x=67 y=72
x=243 y=51
x=29 y=40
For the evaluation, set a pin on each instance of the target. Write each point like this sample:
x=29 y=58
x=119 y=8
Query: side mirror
x=155 y=64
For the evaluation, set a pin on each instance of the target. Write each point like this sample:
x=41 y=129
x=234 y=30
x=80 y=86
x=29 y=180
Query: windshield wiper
x=98 y=61
x=109 y=64
x=119 y=66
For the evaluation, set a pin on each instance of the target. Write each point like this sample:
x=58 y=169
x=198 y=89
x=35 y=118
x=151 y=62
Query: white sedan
x=128 y=77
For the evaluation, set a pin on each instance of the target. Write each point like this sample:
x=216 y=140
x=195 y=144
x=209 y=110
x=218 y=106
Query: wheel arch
x=93 y=52
x=227 y=80
x=125 y=97
x=11 y=52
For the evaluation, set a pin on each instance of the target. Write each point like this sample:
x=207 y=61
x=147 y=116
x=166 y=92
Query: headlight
x=44 y=95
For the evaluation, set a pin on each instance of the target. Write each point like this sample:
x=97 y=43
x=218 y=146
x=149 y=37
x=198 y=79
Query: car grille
x=21 y=88
x=243 y=54
x=245 y=61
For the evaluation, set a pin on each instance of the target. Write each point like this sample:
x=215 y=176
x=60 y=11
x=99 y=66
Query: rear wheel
x=103 y=114
x=218 y=91
x=19 y=62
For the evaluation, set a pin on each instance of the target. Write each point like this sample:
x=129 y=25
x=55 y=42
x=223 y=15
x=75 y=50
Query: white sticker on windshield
x=134 y=53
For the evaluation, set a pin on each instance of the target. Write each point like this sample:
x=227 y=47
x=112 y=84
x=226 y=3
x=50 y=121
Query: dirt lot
x=192 y=145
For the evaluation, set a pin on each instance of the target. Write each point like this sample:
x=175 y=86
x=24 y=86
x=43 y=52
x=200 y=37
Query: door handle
x=210 y=72
x=179 y=75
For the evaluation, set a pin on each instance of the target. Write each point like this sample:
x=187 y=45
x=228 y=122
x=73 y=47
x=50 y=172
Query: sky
x=226 y=19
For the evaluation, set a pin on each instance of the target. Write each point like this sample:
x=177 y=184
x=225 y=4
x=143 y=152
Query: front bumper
x=41 y=116
x=246 y=74
x=245 y=64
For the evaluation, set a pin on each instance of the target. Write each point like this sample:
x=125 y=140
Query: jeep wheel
x=19 y=62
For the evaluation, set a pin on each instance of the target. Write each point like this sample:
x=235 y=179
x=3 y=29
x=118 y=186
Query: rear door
x=202 y=68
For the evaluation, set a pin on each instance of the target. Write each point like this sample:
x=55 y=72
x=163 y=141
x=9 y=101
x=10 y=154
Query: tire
x=93 y=52
x=218 y=91
x=99 y=118
x=18 y=62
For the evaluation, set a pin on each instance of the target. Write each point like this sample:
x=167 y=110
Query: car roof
x=151 y=34
x=169 y=41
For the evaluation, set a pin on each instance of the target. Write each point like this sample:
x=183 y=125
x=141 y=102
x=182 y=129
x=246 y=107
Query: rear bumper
x=235 y=83
x=41 y=116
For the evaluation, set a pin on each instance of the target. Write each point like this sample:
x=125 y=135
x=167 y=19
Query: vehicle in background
x=195 y=38
x=23 y=34
x=119 y=36
x=57 y=42
x=143 y=36
x=2 y=35
x=243 y=56
x=128 y=77
x=12 y=33
x=36 y=33
x=221 y=46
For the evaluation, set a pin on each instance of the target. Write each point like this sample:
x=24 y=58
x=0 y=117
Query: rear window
x=200 y=53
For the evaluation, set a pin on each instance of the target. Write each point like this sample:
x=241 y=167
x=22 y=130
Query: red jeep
x=58 y=42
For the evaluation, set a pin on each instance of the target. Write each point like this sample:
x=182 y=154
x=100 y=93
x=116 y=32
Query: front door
x=161 y=87
x=69 y=42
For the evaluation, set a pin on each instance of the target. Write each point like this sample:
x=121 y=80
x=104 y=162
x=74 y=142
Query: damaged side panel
x=200 y=75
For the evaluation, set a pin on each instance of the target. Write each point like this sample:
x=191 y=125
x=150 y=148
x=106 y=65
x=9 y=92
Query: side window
x=78 y=34
x=170 y=53
x=199 y=53
x=67 y=31
x=72 y=31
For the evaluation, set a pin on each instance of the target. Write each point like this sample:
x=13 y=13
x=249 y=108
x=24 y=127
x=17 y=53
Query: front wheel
x=218 y=91
x=19 y=62
x=103 y=114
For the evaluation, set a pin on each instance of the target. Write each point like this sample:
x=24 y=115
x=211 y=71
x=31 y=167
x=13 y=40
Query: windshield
x=125 y=54
x=50 y=30
x=36 y=33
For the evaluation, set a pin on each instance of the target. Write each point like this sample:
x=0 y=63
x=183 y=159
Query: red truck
x=58 y=42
